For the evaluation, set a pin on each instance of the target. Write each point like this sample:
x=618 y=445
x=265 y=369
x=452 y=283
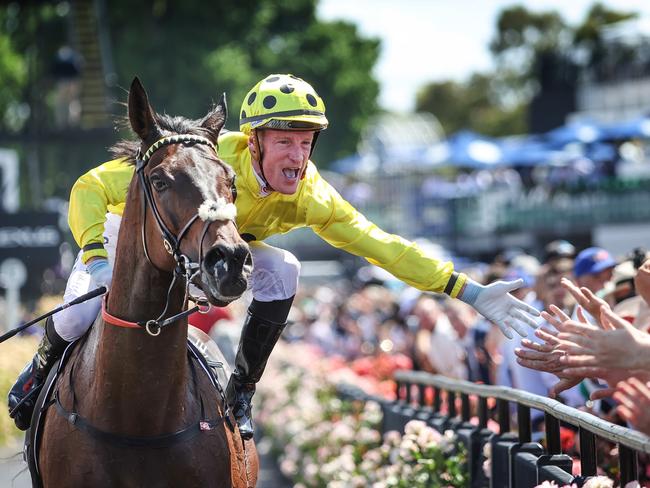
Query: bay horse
x=130 y=408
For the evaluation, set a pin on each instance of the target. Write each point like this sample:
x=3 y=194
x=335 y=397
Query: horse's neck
x=142 y=374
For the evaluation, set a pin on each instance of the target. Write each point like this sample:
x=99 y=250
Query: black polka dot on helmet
x=311 y=99
x=269 y=101
x=287 y=88
x=243 y=114
x=251 y=98
x=271 y=79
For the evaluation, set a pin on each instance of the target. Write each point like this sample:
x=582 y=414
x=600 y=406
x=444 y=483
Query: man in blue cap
x=593 y=268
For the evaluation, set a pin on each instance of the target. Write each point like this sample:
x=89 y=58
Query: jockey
x=278 y=189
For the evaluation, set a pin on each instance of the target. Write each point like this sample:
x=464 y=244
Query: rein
x=185 y=268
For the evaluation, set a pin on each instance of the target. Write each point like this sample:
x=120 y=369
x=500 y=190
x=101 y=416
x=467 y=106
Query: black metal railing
x=518 y=451
x=516 y=460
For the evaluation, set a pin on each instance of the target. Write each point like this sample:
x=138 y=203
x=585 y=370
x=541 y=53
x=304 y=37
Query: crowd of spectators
x=590 y=352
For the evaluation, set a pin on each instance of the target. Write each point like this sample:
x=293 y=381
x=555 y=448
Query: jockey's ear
x=253 y=145
x=216 y=118
x=141 y=115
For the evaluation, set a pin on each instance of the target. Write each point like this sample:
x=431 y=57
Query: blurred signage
x=9 y=187
x=32 y=237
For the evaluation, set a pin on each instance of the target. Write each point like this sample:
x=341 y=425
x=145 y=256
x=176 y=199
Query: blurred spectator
x=559 y=249
x=206 y=321
x=593 y=268
x=471 y=333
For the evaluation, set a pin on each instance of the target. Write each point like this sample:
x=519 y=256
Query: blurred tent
x=601 y=152
x=584 y=131
x=468 y=149
x=531 y=151
x=390 y=150
x=394 y=143
x=638 y=128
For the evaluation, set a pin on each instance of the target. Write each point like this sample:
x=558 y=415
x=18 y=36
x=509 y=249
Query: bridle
x=184 y=266
x=170 y=241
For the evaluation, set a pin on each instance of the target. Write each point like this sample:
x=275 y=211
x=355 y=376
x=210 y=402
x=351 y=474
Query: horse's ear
x=141 y=115
x=215 y=120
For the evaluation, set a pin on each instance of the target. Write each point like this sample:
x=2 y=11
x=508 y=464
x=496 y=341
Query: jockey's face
x=285 y=154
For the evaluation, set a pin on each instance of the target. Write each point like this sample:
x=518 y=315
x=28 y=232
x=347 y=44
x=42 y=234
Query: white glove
x=496 y=304
x=101 y=272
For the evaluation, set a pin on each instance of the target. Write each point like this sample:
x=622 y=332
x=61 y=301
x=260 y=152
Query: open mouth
x=291 y=173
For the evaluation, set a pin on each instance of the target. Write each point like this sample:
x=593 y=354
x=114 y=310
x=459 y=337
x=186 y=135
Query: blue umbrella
x=584 y=131
x=630 y=129
x=532 y=151
x=471 y=150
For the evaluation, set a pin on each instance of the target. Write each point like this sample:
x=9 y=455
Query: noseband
x=184 y=267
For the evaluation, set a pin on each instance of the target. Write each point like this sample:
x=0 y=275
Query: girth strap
x=152 y=442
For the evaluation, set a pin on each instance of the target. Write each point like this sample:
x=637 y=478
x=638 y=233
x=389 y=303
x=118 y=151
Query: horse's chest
x=198 y=463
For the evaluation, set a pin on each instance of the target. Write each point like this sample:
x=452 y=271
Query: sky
x=432 y=40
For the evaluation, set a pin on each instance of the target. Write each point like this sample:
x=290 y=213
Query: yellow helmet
x=283 y=102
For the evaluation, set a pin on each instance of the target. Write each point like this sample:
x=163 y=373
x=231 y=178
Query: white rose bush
x=323 y=441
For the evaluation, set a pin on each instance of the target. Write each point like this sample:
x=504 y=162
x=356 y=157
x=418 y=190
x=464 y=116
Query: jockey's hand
x=100 y=271
x=496 y=304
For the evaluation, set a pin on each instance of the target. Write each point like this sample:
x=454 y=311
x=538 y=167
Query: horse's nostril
x=213 y=257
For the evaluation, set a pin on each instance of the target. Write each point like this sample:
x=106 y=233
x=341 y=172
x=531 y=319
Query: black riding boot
x=34 y=375
x=262 y=329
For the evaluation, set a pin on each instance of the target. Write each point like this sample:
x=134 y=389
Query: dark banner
x=34 y=239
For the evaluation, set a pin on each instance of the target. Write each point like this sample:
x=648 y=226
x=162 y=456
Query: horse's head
x=189 y=193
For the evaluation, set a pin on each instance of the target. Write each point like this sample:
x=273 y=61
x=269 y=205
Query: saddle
x=200 y=347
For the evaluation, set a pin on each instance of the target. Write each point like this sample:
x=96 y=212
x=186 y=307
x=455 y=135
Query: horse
x=130 y=407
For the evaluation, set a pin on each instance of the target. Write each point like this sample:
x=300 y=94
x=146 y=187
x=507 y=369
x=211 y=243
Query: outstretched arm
x=341 y=225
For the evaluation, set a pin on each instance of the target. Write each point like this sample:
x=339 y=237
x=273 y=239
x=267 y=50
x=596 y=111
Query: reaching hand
x=496 y=304
x=545 y=357
x=561 y=351
x=585 y=298
x=101 y=272
x=617 y=345
x=634 y=398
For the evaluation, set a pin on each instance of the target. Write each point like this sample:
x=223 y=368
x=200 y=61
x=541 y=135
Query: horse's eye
x=233 y=188
x=158 y=183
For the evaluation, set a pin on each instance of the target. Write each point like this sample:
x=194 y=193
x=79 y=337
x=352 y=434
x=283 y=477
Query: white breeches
x=275 y=273
x=275 y=277
x=73 y=322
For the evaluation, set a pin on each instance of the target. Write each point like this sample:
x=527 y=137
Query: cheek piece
x=313 y=145
x=258 y=149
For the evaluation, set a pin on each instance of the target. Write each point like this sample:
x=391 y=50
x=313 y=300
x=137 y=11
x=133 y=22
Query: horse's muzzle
x=225 y=271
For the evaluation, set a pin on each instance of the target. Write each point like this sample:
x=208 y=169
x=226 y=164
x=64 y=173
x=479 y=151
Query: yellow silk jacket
x=316 y=204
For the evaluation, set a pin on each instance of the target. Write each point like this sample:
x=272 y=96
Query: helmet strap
x=313 y=144
x=260 y=157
